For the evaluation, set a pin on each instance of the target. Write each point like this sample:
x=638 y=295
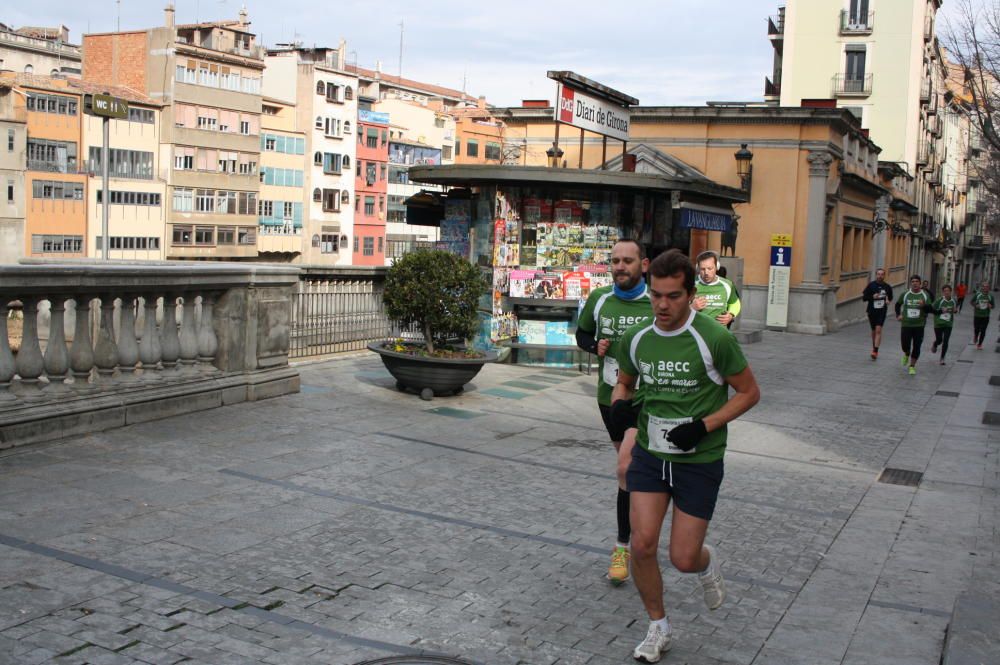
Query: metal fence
x=338 y=313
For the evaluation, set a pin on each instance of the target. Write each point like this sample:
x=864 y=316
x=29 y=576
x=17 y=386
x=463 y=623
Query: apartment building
x=13 y=152
x=379 y=86
x=418 y=135
x=42 y=51
x=479 y=135
x=371 y=187
x=326 y=112
x=281 y=204
x=208 y=78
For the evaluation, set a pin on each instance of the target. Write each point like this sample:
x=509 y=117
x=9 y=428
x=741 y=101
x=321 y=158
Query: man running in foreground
x=911 y=310
x=945 y=309
x=607 y=314
x=878 y=295
x=687 y=362
x=982 y=304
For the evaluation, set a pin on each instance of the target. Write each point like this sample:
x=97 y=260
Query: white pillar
x=819 y=170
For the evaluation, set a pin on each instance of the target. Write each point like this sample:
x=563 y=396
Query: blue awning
x=692 y=218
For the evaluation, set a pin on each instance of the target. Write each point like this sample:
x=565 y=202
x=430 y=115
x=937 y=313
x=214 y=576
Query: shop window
x=472 y=148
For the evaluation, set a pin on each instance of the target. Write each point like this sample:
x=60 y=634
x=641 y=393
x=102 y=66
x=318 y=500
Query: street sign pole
x=106 y=195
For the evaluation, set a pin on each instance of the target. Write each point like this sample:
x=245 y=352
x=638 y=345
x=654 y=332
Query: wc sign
x=779 y=280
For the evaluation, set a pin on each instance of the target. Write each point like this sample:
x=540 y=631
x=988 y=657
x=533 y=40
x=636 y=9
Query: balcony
x=776 y=25
x=52 y=167
x=772 y=89
x=928 y=26
x=852 y=86
x=924 y=152
x=974 y=242
x=925 y=90
x=69 y=51
x=935 y=126
x=174 y=350
x=852 y=23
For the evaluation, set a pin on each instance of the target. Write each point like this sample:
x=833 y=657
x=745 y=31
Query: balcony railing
x=52 y=167
x=853 y=23
x=924 y=151
x=852 y=86
x=925 y=90
x=928 y=26
x=70 y=51
x=149 y=340
x=776 y=25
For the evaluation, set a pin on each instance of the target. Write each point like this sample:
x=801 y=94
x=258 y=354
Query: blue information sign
x=781 y=257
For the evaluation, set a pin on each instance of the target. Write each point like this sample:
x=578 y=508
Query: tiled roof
x=74 y=86
x=39 y=32
x=409 y=83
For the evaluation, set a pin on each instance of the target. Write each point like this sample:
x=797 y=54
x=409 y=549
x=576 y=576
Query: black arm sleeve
x=899 y=306
x=586 y=341
x=866 y=295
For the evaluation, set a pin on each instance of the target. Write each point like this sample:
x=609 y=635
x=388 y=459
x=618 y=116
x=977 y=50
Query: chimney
x=378 y=69
x=168 y=16
x=341 y=54
x=481 y=102
x=243 y=17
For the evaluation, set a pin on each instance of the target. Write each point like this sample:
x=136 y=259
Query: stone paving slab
x=351 y=522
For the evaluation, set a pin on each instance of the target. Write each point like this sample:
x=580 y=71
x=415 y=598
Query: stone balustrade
x=104 y=345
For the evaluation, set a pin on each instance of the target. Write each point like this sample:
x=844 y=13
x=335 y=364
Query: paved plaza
x=352 y=522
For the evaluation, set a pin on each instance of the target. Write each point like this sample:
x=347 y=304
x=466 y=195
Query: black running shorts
x=693 y=487
x=876 y=318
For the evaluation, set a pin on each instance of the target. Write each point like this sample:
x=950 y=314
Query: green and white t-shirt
x=607 y=316
x=683 y=374
x=981 y=304
x=944 y=312
x=911 y=309
x=720 y=296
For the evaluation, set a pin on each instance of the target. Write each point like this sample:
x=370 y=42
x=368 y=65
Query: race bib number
x=878 y=304
x=983 y=305
x=610 y=372
x=945 y=316
x=657 y=430
x=913 y=312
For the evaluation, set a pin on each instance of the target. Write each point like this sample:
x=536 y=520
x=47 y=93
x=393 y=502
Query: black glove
x=688 y=435
x=928 y=309
x=624 y=415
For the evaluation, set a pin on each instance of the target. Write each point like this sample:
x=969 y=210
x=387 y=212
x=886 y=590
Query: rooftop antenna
x=400 y=49
x=118 y=20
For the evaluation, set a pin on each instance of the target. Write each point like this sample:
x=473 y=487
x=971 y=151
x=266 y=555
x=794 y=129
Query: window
x=357 y=203
x=493 y=151
x=381 y=204
x=55 y=190
x=130 y=198
x=369 y=246
x=183 y=158
x=28 y=69
x=355 y=244
x=855 y=66
x=382 y=171
x=51 y=104
x=266 y=208
x=10 y=140
x=348 y=93
x=439 y=122
x=317 y=195
x=446 y=152
x=226 y=235
x=244 y=127
x=384 y=137
x=246 y=235
x=10 y=191
x=329 y=243
x=289 y=211
x=372 y=138
x=319 y=122
x=204 y=235
x=370 y=173
x=318 y=158
x=270 y=143
x=55 y=156
x=381 y=245
x=458 y=147
x=183 y=200
x=56 y=244
x=332 y=92
x=331 y=200
x=345 y=162
x=472 y=148
x=331 y=163
x=204 y=200
x=246 y=203
x=125 y=163
x=369 y=205
x=209 y=123
x=347 y=126
x=345 y=196
x=320 y=88
x=145 y=116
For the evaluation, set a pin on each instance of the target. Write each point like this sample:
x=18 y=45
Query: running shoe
x=905 y=361
x=979 y=347
x=652 y=648
x=934 y=347
x=618 y=570
x=942 y=362
x=874 y=355
x=711 y=581
x=913 y=370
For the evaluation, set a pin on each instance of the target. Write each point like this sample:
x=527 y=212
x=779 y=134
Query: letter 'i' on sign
x=779 y=280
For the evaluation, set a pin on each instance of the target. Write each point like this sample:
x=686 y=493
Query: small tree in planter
x=439 y=292
x=436 y=290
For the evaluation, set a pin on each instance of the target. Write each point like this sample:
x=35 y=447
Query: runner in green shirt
x=945 y=310
x=687 y=362
x=912 y=309
x=607 y=314
x=982 y=305
x=717 y=296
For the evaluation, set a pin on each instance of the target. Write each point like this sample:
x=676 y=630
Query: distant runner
x=982 y=304
x=945 y=309
x=912 y=309
x=878 y=295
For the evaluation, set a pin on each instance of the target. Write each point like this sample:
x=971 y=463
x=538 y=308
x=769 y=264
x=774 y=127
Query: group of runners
x=915 y=306
x=671 y=376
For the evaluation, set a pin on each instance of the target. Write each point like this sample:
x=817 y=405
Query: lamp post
x=744 y=169
x=554 y=154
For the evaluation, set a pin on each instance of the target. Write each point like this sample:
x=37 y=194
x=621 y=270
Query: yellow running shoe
x=618 y=570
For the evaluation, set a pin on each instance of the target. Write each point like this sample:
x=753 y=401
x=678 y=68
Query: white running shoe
x=711 y=581
x=652 y=648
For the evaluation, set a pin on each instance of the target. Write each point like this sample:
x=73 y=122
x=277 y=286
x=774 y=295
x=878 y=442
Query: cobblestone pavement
x=352 y=522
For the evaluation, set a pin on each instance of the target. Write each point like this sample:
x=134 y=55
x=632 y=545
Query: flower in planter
x=436 y=290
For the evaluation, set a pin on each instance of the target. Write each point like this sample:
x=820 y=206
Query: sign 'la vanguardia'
x=592 y=114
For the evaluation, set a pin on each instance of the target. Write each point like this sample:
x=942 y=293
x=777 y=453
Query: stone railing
x=103 y=345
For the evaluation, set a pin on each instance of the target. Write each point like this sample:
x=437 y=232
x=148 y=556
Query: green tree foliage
x=438 y=291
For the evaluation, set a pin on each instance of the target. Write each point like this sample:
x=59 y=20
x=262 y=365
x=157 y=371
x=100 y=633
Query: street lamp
x=554 y=154
x=744 y=169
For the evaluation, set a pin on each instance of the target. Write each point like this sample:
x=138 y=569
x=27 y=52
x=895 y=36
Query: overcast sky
x=659 y=51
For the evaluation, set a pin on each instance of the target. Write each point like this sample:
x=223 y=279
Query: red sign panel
x=565 y=104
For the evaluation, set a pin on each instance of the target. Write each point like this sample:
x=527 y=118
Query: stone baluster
x=106 y=351
x=128 y=347
x=56 y=358
x=208 y=343
x=149 y=347
x=81 y=355
x=170 y=344
x=7 y=366
x=189 y=336
x=29 y=362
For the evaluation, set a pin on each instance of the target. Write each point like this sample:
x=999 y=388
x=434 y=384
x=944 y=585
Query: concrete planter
x=430 y=376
